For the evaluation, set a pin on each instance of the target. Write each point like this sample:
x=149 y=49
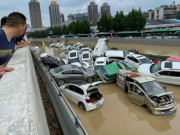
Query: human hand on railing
x=4 y=70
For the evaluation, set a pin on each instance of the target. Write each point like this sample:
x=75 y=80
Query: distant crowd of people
x=12 y=32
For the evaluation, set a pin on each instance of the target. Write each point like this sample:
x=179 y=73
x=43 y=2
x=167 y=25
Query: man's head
x=3 y=21
x=18 y=21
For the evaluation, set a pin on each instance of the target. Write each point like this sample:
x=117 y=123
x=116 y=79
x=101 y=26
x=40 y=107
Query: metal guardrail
x=67 y=118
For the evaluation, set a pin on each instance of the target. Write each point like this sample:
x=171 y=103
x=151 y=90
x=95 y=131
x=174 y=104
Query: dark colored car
x=51 y=62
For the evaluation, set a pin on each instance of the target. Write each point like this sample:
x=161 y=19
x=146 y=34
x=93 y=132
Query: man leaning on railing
x=14 y=27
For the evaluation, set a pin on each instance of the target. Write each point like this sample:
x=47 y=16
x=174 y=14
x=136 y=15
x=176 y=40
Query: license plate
x=168 y=113
x=97 y=105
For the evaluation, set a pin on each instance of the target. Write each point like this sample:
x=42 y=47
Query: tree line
x=75 y=27
x=133 y=21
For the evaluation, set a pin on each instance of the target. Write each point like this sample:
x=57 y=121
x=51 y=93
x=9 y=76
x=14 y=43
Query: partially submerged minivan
x=146 y=91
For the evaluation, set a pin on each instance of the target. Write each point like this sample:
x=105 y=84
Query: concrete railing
x=69 y=121
x=21 y=108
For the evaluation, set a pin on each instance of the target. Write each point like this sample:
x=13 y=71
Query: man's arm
x=22 y=44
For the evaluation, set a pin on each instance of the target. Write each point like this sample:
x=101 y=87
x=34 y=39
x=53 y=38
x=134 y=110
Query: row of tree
x=75 y=27
x=133 y=21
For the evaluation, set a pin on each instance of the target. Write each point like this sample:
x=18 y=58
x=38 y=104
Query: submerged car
x=107 y=73
x=73 y=56
x=116 y=55
x=51 y=62
x=85 y=95
x=165 y=71
x=136 y=60
x=146 y=91
x=72 y=73
x=100 y=61
x=86 y=56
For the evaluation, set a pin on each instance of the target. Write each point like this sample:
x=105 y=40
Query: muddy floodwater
x=118 y=116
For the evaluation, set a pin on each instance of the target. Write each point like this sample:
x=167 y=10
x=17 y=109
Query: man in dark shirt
x=14 y=28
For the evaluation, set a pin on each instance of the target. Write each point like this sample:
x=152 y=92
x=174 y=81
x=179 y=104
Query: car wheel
x=61 y=82
x=81 y=105
x=148 y=109
x=89 y=79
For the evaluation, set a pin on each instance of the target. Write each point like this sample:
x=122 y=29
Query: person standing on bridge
x=14 y=27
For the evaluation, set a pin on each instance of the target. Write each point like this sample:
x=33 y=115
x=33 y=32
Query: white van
x=100 y=48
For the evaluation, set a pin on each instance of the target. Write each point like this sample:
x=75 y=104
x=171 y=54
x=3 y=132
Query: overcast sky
x=72 y=6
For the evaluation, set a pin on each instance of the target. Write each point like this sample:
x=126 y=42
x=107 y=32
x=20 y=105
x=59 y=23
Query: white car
x=86 y=56
x=85 y=95
x=73 y=56
x=136 y=60
x=100 y=61
x=165 y=71
x=116 y=54
x=86 y=49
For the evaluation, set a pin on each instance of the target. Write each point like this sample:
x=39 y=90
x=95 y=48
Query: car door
x=78 y=75
x=77 y=95
x=68 y=91
x=68 y=75
x=136 y=94
x=162 y=76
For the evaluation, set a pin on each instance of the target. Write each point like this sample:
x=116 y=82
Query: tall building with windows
x=93 y=13
x=62 y=17
x=35 y=14
x=105 y=9
x=54 y=14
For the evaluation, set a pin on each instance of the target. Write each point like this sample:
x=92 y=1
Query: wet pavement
x=118 y=116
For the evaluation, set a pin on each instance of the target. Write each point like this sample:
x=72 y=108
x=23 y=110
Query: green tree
x=178 y=15
x=118 y=22
x=135 y=20
x=104 y=24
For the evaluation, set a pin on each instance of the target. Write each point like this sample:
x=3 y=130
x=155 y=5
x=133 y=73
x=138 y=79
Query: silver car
x=72 y=73
x=146 y=91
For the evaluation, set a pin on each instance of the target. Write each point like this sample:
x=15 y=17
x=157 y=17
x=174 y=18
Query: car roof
x=69 y=66
x=112 y=68
x=111 y=53
x=139 y=77
x=102 y=39
x=73 y=51
x=170 y=65
x=101 y=59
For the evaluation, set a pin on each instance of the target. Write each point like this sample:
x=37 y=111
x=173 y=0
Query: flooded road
x=118 y=116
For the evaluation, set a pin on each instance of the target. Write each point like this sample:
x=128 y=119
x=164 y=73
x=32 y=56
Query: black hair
x=15 y=18
x=3 y=21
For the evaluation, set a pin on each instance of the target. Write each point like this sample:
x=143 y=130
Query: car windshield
x=145 y=60
x=153 y=88
x=97 y=66
x=155 y=67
